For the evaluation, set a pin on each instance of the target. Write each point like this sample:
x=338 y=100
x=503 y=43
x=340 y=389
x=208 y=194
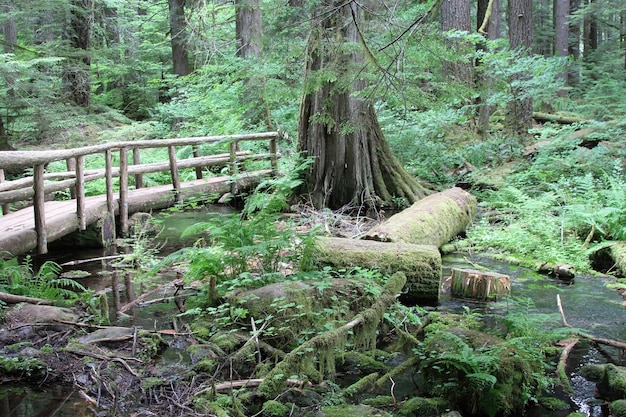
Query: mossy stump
x=479 y=285
x=434 y=220
x=420 y=263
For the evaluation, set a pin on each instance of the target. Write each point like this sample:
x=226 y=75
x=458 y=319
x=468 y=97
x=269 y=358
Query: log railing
x=39 y=185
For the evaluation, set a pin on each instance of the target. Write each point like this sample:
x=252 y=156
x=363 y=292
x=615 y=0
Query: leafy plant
x=21 y=279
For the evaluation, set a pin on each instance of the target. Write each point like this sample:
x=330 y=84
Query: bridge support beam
x=38 y=207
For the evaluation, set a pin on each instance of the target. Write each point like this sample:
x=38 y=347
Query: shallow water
x=587 y=305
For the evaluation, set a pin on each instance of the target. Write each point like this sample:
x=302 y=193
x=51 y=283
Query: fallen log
x=433 y=220
x=479 y=285
x=16 y=299
x=557 y=118
x=420 y=263
x=618 y=253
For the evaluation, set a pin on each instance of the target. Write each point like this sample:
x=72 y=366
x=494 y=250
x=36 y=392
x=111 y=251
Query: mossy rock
x=350 y=410
x=592 y=372
x=618 y=408
x=273 y=408
x=612 y=386
x=423 y=407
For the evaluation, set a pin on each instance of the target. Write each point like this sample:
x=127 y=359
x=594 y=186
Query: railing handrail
x=38 y=159
x=27 y=159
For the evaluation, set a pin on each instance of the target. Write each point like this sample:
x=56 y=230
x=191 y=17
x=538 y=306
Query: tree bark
x=352 y=162
x=249 y=33
x=77 y=75
x=519 y=111
x=573 y=75
x=455 y=15
x=489 y=19
x=561 y=40
x=178 y=35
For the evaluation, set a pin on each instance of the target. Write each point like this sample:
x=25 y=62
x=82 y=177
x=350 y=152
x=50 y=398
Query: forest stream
x=587 y=304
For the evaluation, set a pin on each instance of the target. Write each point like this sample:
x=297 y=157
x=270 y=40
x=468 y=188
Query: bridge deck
x=17 y=229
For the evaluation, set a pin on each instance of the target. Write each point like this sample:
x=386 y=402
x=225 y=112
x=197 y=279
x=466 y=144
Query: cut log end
x=479 y=285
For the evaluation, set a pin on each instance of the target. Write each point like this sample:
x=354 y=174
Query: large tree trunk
x=249 y=33
x=77 y=75
x=455 y=15
x=178 y=30
x=520 y=109
x=352 y=162
x=573 y=75
x=561 y=40
x=489 y=23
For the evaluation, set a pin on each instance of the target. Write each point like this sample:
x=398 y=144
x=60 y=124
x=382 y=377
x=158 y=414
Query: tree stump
x=479 y=285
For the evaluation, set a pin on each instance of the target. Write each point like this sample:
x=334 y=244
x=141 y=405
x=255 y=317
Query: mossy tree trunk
x=353 y=164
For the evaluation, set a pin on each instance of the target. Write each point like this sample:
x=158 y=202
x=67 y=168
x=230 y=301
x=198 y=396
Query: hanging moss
x=363 y=327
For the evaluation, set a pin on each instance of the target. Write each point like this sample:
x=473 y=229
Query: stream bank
x=587 y=303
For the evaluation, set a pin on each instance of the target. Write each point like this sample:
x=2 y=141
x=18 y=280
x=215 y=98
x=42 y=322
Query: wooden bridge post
x=137 y=161
x=80 y=192
x=5 y=207
x=274 y=157
x=108 y=172
x=39 y=209
x=234 y=146
x=124 y=191
x=171 y=150
x=70 y=163
x=196 y=154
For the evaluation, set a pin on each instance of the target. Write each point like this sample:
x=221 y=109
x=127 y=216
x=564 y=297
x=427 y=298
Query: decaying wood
x=175 y=283
x=557 y=118
x=327 y=341
x=618 y=253
x=479 y=285
x=568 y=345
x=15 y=299
x=420 y=263
x=433 y=220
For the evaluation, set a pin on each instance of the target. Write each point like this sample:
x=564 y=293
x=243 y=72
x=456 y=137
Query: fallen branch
x=561 y=366
x=602 y=341
x=108 y=358
x=15 y=299
x=176 y=283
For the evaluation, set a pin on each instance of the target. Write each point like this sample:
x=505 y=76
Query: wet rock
x=31 y=314
x=612 y=386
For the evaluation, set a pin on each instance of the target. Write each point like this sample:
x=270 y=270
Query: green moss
x=349 y=410
x=379 y=401
x=612 y=386
x=552 y=403
x=273 y=408
x=618 y=408
x=423 y=407
x=361 y=385
x=150 y=382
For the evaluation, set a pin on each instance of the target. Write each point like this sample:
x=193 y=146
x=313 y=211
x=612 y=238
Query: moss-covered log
x=618 y=253
x=321 y=348
x=433 y=220
x=420 y=263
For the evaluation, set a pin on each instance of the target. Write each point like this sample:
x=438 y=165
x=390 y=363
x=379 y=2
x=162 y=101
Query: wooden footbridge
x=40 y=221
